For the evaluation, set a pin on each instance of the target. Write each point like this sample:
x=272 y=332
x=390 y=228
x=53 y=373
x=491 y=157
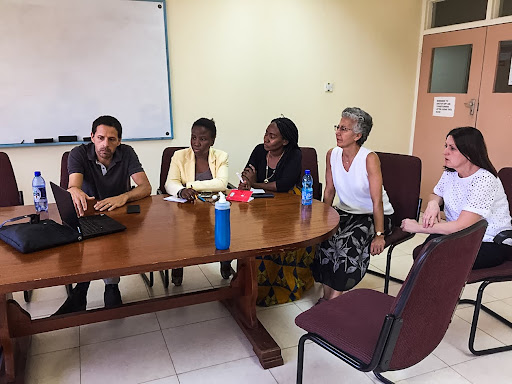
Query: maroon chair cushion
x=352 y=321
x=9 y=194
x=164 y=167
x=64 y=176
x=401 y=177
x=310 y=161
x=431 y=292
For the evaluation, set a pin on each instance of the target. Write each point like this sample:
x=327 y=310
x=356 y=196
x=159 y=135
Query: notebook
x=87 y=226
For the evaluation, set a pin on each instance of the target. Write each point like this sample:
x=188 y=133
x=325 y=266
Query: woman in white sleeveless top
x=354 y=173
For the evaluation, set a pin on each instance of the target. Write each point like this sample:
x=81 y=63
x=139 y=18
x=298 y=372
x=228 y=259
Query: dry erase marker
x=200 y=198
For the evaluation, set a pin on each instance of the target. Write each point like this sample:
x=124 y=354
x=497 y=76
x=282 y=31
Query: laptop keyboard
x=90 y=226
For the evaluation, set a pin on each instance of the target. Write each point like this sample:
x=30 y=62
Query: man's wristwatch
x=379 y=234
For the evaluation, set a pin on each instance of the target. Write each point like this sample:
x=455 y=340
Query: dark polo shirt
x=116 y=181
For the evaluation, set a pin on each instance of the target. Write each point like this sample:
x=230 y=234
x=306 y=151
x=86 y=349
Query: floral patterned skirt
x=341 y=261
x=283 y=277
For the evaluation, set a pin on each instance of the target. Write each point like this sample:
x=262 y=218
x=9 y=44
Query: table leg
x=243 y=309
x=6 y=341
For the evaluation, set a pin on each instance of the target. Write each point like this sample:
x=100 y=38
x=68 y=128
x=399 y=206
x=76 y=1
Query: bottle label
x=39 y=193
x=307 y=196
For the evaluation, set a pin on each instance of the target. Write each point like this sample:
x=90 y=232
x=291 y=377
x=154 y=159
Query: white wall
x=244 y=62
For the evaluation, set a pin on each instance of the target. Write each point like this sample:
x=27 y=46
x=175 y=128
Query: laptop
x=87 y=226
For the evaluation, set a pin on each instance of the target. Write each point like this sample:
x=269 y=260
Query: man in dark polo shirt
x=99 y=174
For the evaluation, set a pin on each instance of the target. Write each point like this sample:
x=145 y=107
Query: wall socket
x=328 y=87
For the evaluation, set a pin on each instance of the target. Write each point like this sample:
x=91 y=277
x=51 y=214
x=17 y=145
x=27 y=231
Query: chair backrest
x=64 y=176
x=164 y=167
x=310 y=161
x=9 y=194
x=401 y=177
x=430 y=293
x=505 y=175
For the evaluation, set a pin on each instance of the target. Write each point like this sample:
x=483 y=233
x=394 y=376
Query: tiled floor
x=203 y=344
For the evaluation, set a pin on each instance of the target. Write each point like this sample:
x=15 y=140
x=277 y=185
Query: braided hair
x=288 y=130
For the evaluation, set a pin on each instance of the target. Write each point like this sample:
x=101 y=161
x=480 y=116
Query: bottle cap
x=37 y=173
x=307 y=172
x=222 y=198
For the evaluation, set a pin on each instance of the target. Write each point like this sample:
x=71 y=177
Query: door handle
x=471 y=106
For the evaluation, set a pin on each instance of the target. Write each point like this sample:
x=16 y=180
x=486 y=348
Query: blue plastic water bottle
x=307 y=188
x=39 y=191
x=222 y=223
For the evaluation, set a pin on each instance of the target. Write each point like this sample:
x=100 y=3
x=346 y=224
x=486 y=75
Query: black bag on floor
x=37 y=234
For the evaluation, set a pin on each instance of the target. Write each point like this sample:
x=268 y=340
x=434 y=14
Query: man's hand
x=111 y=203
x=80 y=199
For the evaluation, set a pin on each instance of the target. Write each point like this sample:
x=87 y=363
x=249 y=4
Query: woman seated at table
x=276 y=166
x=470 y=190
x=353 y=172
x=199 y=168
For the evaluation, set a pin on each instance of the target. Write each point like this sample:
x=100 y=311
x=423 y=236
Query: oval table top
x=167 y=235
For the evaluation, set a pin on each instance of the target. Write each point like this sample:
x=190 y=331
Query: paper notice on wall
x=444 y=106
x=510 y=73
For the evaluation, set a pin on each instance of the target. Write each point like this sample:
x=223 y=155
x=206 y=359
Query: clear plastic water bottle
x=39 y=191
x=222 y=223
x=307 y=188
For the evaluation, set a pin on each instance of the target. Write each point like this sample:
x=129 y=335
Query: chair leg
x=300 y=358
x=69 y=288
x=149 y=282
x=382 y=378
x=387 y=276
x=165 y=278
x=478 y=305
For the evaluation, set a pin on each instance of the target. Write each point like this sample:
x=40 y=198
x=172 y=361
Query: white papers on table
x=257 y=190
x=175 y=199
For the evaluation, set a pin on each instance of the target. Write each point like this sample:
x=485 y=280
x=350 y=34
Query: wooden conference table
x=163 y=235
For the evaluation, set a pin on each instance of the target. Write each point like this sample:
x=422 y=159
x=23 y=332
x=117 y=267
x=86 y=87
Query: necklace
x=267 y=177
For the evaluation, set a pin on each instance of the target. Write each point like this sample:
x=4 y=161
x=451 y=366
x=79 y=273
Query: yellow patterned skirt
x=284 y=277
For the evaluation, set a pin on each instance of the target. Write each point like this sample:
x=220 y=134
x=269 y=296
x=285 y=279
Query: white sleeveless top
x=353 y=187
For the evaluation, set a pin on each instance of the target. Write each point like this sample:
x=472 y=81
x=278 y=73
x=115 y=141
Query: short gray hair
x=363 y=122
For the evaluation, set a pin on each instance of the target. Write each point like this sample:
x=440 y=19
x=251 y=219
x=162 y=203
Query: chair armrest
x=231 y=186
x=502 y=236
x=159 y=192
x=22 y=201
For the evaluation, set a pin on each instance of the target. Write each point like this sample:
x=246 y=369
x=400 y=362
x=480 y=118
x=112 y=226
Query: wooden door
x=430 y=131
x=495 y=109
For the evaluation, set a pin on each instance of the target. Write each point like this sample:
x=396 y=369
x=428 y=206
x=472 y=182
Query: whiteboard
x=63 y=63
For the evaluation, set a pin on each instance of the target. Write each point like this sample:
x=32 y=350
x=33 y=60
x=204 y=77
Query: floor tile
x=400 y=266
x=489 y=324
x=393 y=289
x=132 y=359
x=246 y=370
x=453 y=349
x=201 y=345
x=495 y=369
x=320 y=366
x=132 y=289
x=165 y=380
x=280 y=324
x=409 y=245
x=54 y=341
x=191 y=314
x=116 y=329
x=193 y=280
x=429 y=364
x=212 y=273
x=501 y=290
x=442 y=376
x=61 y=367
x=44 y=305
x=370 y=282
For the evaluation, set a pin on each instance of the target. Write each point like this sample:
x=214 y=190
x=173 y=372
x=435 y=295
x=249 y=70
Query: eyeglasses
x=341 y=128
